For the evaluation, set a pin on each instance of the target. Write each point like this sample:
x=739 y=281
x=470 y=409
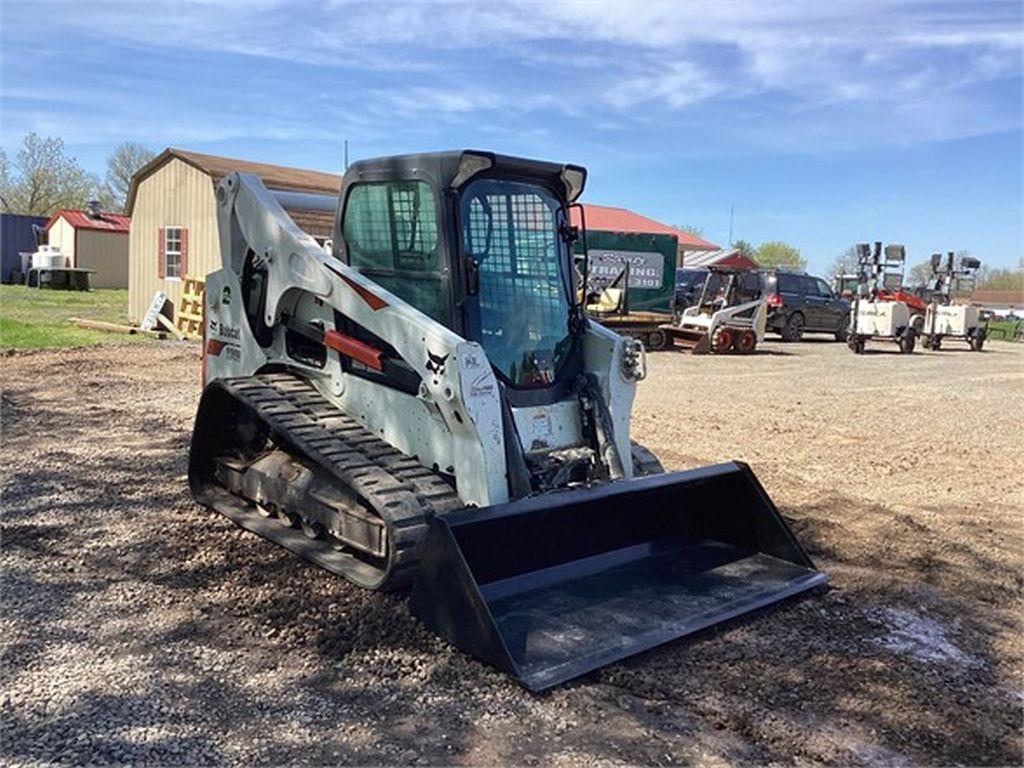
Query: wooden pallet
x=189 y=317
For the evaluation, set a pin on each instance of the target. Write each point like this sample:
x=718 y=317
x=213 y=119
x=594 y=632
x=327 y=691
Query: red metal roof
x=108 y=222
x=610 y=219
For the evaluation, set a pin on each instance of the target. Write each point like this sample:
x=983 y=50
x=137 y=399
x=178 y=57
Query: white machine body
x=751 y=314
x=881 y=318
x=951 y=319
x=454 y=422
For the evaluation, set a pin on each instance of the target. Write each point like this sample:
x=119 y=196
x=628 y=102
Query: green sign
x=652 y=266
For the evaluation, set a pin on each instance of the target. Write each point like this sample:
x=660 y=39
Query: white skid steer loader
x=429 y=405
x=729 y=316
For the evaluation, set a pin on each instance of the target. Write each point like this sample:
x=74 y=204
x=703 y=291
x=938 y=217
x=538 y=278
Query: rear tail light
x=774 y=300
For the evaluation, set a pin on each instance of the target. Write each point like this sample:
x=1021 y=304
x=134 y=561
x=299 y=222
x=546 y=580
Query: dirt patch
x=136 y=626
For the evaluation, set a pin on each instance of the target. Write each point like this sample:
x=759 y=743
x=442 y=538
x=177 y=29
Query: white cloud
x=458 y=60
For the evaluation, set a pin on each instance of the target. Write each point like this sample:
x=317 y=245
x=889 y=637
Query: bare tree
x=920 y=273
x=1001 y=279
x=44 y=179
x=691 y=230
x=122 y=165
x=5 y=182
x=844 y=264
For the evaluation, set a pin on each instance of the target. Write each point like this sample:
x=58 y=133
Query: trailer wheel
x=977 y=340
x=745 y=342
x=721 y=341
x=657 y=339
x=933 y=342
x=907 y=341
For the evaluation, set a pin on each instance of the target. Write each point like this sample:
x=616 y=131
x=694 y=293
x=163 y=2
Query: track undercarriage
x=280 y=460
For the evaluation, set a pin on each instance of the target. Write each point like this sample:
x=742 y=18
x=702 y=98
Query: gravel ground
x=137 y=627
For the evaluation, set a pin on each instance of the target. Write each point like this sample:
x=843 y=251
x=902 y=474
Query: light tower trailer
x=943 y=318
x=875 y=317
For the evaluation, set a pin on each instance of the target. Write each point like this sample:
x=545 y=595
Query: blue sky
x=823 y=123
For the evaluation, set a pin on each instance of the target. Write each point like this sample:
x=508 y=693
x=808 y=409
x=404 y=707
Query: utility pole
x=346 y=154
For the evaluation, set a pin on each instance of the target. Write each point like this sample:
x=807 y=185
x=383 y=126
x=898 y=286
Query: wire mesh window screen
x=391 y=232
x=511 y=230
x=392 y=225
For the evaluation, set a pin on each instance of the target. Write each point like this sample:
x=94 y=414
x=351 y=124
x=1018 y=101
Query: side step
x=551 y=587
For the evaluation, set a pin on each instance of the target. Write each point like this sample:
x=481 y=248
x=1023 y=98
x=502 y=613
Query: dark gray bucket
x=551 y=587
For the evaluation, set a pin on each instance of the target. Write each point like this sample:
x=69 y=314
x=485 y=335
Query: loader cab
x=482 y=244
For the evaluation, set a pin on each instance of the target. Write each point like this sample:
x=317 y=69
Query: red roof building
x=104 y=221
x=606 y=218
x=93 y=239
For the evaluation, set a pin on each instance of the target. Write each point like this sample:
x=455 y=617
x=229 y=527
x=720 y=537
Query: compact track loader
x=428 y=404
x=877 y=315
x=943 y=318
x=732 y=318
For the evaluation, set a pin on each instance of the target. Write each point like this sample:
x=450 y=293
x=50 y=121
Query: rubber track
x=396 y=486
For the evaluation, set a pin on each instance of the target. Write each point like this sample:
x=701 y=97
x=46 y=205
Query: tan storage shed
x=93 y=239
x=174 y=218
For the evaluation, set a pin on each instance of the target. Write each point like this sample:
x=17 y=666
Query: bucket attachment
x=692 y=339
x=551 y=587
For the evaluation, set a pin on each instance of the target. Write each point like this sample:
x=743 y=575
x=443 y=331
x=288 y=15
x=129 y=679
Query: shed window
x=172 y=252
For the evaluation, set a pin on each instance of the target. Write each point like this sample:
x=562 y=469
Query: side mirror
x=569 y=234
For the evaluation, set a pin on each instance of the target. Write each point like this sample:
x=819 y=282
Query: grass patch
x=38 y=319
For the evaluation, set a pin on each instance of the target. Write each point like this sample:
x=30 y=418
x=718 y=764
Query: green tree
x=776 y=253
x=747 y=249
x=122 y=165
x=997 y=279
x=44 y=179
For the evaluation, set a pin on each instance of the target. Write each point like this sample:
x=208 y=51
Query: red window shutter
x=184 y=253
x=161 y=254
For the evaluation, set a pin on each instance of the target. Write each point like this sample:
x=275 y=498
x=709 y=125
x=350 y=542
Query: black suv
x=799 y=303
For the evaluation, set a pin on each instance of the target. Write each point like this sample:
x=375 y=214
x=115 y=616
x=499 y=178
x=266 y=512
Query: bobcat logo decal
x=435 y=363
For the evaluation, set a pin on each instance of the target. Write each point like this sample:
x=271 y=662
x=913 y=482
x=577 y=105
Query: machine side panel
x=254 y=227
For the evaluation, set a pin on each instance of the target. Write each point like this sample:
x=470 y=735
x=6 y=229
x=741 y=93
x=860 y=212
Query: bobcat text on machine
x=945 y=320
x=730 y=314
x=429 y=405
x=876 y=315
